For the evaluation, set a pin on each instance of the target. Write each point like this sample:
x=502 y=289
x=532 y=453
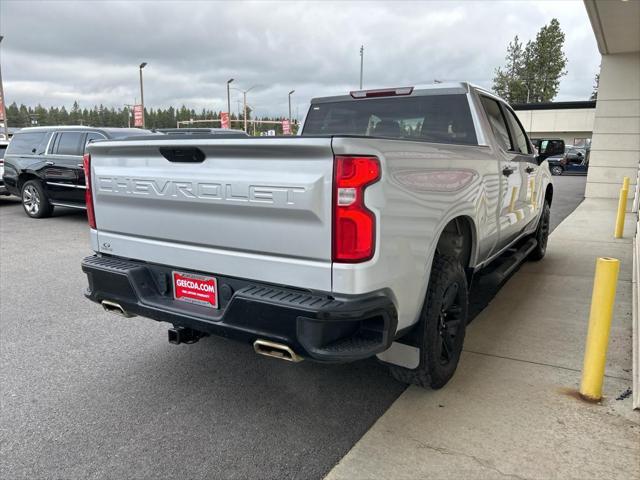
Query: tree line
x=102 y=116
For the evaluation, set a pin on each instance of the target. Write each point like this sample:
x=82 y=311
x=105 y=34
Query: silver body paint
x=261 y=208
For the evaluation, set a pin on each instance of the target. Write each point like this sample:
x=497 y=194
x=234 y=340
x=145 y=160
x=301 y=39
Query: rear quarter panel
x=423 y=187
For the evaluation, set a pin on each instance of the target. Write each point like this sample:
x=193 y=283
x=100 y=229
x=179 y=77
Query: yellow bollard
x=512 y=204
x=622 y=208
x=602 y=301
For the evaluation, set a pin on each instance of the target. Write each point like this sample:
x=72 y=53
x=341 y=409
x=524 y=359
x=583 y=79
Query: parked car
x=360 y=237
x=3 y=149
x=43 y=165
x=228 y=132
x=575 y=161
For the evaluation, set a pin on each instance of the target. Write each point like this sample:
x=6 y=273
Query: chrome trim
x=276 y=350
x=57 y=132
x=68 y=205
x=46 y=150
x=69 y=185
x=115 y=308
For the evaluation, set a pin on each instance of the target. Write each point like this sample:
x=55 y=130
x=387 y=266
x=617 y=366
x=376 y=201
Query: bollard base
x=588 y=398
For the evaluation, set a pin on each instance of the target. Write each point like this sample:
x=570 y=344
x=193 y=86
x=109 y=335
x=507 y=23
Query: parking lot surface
x=85 y=394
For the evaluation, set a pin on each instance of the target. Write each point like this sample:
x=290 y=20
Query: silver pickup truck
x=360 y=237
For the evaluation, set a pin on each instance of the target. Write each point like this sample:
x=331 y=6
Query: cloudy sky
x=55 y=52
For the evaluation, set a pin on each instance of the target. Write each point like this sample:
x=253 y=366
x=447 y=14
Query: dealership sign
x=224 y=120
x=286 y=127
x=138 y=120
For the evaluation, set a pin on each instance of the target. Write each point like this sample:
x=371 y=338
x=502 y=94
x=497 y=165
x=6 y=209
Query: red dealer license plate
x=195 y=289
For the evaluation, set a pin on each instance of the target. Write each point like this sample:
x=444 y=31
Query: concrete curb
x=636 y=335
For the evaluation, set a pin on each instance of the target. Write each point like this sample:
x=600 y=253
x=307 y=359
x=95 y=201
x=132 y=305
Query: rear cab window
x=91 y=136
x=28 y=143
x=520 y=142
x=439 y=118
x=497 y=121
x=68 y=143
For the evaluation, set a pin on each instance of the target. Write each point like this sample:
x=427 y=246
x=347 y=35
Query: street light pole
x=290 y=93
x=142 y=65
x=229 y=98
x=2 y=105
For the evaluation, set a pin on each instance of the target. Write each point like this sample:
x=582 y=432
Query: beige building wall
x=566 y=121
x=615 y=146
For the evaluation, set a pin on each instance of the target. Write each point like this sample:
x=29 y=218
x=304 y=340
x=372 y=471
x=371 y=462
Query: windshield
x=430 y=118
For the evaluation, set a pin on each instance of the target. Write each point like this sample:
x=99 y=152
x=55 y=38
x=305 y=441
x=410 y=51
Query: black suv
x=43 y=165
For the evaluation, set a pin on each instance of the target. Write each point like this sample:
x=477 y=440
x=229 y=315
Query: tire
x=542 y=234
x=34 y=200
x=440 y=338
x=557 y=170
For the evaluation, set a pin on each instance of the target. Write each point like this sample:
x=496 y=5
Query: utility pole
x=142 y=65
x=290 y=93
x=129 y=110
x=229 y=98
x=244 y=96
x=361 y=63
x=244 y=101
x=3 y=109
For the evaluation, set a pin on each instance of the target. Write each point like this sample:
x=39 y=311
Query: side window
x=27 y=143
x=68 y=143
x=92 y=136
x=496 y=120
x=517 y=133
x=543 y=146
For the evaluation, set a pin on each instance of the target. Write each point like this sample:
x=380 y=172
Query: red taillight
x=354 y=225
x=88 y=197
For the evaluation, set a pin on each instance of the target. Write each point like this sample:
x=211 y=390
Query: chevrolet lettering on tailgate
x=360 y=237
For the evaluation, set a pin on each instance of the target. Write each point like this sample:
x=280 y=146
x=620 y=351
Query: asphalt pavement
x=86 y=394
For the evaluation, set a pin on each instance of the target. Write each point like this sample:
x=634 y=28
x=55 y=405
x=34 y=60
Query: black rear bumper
x=315 y=326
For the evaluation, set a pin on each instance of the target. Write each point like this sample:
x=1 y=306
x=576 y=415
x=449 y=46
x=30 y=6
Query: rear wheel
x=542 y=234
x=441 y=329
x=557 y=170
x=35 y=201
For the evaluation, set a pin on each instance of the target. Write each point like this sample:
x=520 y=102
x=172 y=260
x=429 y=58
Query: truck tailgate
x=253 y=208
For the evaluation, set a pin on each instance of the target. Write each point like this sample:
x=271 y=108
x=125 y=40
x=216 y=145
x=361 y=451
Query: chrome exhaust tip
x=115 y=308
x=276 y=350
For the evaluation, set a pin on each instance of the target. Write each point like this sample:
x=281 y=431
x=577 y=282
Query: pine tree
x=596 y=85
x=533 y=74
x=507 y=83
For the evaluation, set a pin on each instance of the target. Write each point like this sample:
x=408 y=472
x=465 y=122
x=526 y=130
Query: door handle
x=529 y=169
x=49 y=162
x=81 y=165
x=506 y=171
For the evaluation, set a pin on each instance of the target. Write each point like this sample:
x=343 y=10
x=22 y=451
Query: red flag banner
x=138 y=116
x=286 y=127
x=3 y=117
x=224 y=120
